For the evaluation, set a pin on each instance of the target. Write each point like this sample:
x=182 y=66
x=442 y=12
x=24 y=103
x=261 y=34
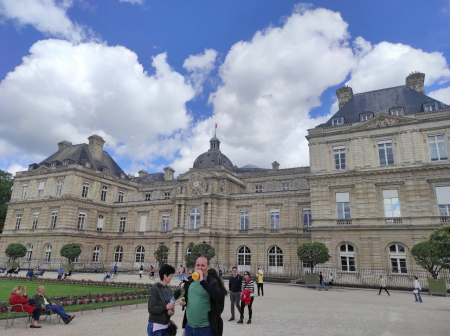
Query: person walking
x=204 y=302
x=260 y=277
x=247 y=296
x=330 y=279
x=116 y=268
x=235 y=288
x=161 y=304
x=383 y=285
x=141 y=271
x=152 y=273
x=47 y=304
x=321 y=283
x=417 y=289
x=182 y=273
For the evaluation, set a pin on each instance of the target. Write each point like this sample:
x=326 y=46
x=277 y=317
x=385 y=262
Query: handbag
x=172 y=329
x=415 y=291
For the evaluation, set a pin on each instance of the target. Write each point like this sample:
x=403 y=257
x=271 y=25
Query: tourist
x=46 y=304
x=321 y=283
x=116 y=268
x=161 y=305
x=247 y=296
x=207 y=295
x=417 y=289
x=16 y=298
x=141 y=271
x=107 y=276
x=152 y=273
x=260 y=277
x=330 y=279
x=235 y=287
x=383 y=285
x=181 y=273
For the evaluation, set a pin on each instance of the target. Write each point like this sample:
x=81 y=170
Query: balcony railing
x=243 y=231
x=394 y=220
x=445 y=220
x=344 y=222
x=274 y=230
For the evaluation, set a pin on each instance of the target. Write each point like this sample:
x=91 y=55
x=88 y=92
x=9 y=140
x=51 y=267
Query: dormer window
x=430 y=107
x=87 y=164
x=337 y=121
x=53 y=164
x=365 y=116
x=65 y=162
x=397 y=111
x=122 y=175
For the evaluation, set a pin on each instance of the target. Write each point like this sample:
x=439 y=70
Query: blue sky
x=153 y=77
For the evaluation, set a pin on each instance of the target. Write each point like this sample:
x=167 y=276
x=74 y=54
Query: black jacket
x=235 y=283
x=159 y=297
x=216 y=299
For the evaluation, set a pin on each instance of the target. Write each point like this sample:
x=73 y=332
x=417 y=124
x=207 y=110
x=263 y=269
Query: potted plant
x=313 y=254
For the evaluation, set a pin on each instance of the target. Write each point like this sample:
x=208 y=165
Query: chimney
x=142 y=173
x=344 y=94
x=96 y=146
x=168 y=173
x=63 y=144
x=275 y=165
x=416 y=81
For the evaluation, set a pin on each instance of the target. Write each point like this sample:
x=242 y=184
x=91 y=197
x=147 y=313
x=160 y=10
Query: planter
x=311 y=280
x=437 y=287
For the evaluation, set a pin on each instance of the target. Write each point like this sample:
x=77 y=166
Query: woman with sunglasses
x=248 y=289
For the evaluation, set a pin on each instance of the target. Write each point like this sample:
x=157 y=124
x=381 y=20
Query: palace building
x=378 y=183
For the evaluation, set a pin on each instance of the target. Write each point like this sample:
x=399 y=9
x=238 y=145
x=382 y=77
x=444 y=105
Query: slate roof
x=249 y=168
x=381 y=101
x=213 y=157
x=152 y=177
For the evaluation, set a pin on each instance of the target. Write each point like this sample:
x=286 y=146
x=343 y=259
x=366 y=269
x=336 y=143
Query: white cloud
x=443 y=95
x=200 y=66
x=14 y=168
x=47 y=16
x=138 y=2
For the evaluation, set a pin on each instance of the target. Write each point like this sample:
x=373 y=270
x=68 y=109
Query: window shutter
x=143 y=223
x=100 y=222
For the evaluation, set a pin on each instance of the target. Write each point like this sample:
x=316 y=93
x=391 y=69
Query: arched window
x=397 y=254
x=96 y=254
x=244 y=256
x=47 y=252
x=29 y=252
x=194 y=219
x=275 y=259
x=118 y=254
x=347 y=256
x=140 y=251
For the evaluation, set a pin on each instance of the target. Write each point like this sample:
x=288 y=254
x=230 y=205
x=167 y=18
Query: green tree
x=162 y=254
x=441 y=237
x=428 y=255
x=313 y=254
x=189 y=262
x=6 y=183
x=15 y=251
x=70 y=251
x=203 y=249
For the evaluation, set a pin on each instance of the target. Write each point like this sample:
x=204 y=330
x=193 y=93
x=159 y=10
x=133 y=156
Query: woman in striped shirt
x=248 y=288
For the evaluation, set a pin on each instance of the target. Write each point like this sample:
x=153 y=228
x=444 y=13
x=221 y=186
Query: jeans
x=203 y=331
x=418 y=295
x=150 y=332
x=235 y=299
x=261 y=286
x=322 y=285
x=58 y=310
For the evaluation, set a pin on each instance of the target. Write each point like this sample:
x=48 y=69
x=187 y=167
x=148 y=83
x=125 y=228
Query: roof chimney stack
x=416 y=81
x=344 y=94
x=96 y=143
x=275 y=165
x=168 y=173
x=63 y=144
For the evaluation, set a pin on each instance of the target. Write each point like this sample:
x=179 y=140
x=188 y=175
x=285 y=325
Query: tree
x=313 y=254
x=6 y=183
x=203 y=249
x=441 y=237
x=70 y=251
x=162 y=254
x=189 y=262
x=15 y=251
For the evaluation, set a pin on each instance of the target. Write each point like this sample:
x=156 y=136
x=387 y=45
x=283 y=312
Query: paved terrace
x=285 y=310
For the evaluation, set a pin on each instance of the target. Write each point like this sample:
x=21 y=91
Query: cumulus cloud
x=47 y=16
x=200 y=66
x=443 y=95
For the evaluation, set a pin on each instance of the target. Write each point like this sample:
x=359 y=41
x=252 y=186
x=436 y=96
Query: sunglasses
x=246 y=274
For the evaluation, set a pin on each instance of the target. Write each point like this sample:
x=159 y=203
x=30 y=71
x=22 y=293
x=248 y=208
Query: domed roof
x=213 y=157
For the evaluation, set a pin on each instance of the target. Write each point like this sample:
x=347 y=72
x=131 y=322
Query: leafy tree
x=313 y=254
x=428 y=255
x=441 y=237
x=189 y=262
x=15 y=251
x=70 y=251
x=203 y=249
x=6 y=183
x=162 y=254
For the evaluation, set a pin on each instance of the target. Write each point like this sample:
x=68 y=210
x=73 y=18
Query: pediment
x=41 y=170
x=383 y=120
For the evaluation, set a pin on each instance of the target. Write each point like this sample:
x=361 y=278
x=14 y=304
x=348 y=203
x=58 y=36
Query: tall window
x=306 y=217
x=85 y=191
x=140 y=252
x=438 y=148
x=121 y=196
x=397 y=254
x=385 y=153
x=18 y=220
x=122 y=221
x=24 y=191
x=59 y=185
x=244 y=220
x=47 y=252
x=258 y=188
x=391 y=203
x=100 y=223
x=244 y=256
x=35 y=221
x=96 y=254
x=165 y=223
x=340 y=162
x=118 y=254
x=343 y=205
x=194 y=219
x=104 y=193
x=274 y=219
x=285 y=186
x=347 y=256
x=41 y=188
x=167 y=195
x=81 y=220
x=29 y=252
x=275 y=256
x=148 y=196
x=443 y=200
x=53 y=220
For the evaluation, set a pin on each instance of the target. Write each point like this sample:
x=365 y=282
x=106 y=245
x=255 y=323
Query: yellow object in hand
x=195 y=276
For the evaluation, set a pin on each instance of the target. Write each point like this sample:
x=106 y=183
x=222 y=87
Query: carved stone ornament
x=196 y=185
x=382 y=121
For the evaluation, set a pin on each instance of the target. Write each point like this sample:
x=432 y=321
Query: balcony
x=344 y=222
x=394 y=220
x=274 y=230
x=445 y=220
x=141 y=233
x=243 y=231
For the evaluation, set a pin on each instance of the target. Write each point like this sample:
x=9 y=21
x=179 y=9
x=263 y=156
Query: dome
x=213 y=157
